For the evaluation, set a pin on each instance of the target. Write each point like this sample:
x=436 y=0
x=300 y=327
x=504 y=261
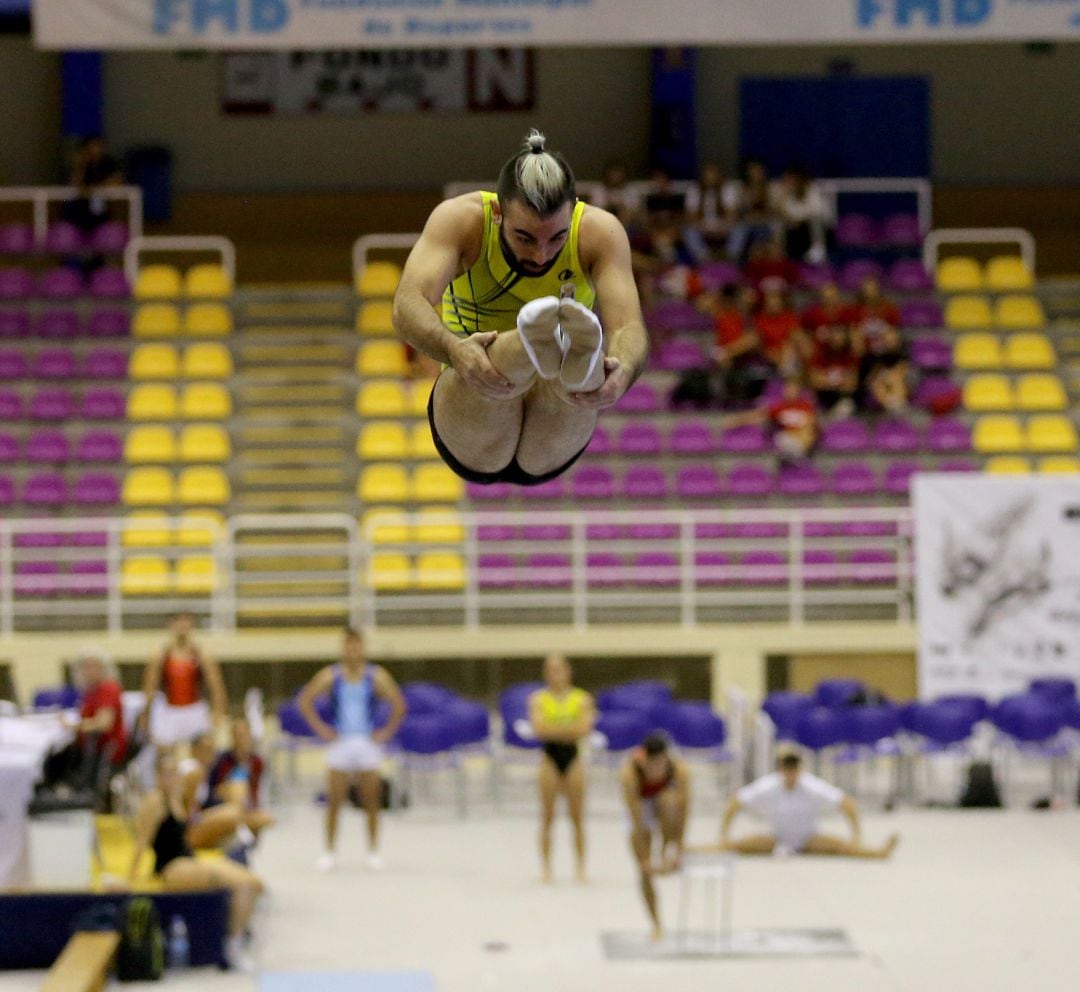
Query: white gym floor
x=985 y=900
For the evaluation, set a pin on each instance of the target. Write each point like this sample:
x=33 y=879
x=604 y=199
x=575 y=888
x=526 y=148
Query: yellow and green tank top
x=489 y=296
x=565 y=711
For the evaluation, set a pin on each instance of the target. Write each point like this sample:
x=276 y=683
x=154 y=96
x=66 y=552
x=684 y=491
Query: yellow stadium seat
x=154 y=361
x=418 y=396
x=378 y=279
x=199 y=528
x=977 y=351
x=383 y=439
x=1007 y=273
x=959 y=274
x=965 y=313
x=208 y=360
x=1019 y=313
x=1051 y=432
x=375 y=319
x=146 y=529
x=1008 y=465
x=195 y=576
x=156 y=320
x=997 y=434
x=144 y=576
x=204 y=485
x=152 y=401
x=205 y=443
x=382 y=358
x=421 y=443
x=207 y=282
x=988 y=392
x=1039 y=391
x=148 y=487
x=381 y=399
x=435 y=483
x=205 y=401
x=439 y=525
x=1029 y=351
x=150 y=444
x=438 y=570
x=206 y=320
x=157 y=282
x=389 y=572
x=383 y=483
x=1059 y=465
x=387 y=526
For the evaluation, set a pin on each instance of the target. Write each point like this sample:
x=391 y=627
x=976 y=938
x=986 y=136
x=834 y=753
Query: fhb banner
x=998 y=581
x=289 y=24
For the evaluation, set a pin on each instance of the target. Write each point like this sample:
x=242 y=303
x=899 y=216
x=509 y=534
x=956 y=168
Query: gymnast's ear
x=496 y=211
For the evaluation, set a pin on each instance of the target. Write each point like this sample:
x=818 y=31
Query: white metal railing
x=39 y=198
x=311 y=564
x=978 y=236
x=196 y=244
x=379 y=242
x=921 y=188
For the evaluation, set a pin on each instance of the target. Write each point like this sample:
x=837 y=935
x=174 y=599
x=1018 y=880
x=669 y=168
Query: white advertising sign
x=998 y=581
x=245 y=24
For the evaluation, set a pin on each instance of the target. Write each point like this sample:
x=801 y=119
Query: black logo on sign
x=566 y=274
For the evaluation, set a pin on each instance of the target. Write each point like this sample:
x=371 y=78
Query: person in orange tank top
x=184 y=689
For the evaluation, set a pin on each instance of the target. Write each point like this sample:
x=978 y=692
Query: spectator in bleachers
x=833 y=369
x=708 y=224
x=616 y=196
x=94 y=168
x=792 y=418
x=804 y=213
x=770 y=268
x=885 y=372
x=873 y=313
x=747 y=205
x=829 y=309
x=777 y=324
x=740 y=368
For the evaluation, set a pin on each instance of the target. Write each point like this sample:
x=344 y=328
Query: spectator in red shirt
x=776 y=325
x=770 y=268
x=873 y=313
x=829 y=309
x=740 y=369
x=793 y=418
x=833 y=370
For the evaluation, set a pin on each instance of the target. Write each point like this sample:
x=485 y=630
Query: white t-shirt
x=792 y=813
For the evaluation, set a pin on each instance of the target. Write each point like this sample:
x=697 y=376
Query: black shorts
x=562 y=755
x=512 y=473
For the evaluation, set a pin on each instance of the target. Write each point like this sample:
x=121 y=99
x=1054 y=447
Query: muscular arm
x=319 y=685
x=387 y=688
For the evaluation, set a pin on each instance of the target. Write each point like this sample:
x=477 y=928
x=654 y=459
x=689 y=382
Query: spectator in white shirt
x=746 y=203
x=802 y=208
x=709 y=224
x=792 y=801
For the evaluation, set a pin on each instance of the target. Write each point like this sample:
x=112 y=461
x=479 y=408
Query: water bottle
x=179 y=944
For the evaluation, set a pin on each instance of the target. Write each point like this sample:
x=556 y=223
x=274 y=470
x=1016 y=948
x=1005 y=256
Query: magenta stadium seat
x=639 y=398
x=908 y=275
x=916 y=314
x=677 y=315
x=853 y=274
x=896 y=436
x=11 y=405
x=16 y=284
x=652 y=531
x=37 y=578
x=7 y=491
x=639 y=439
x=853 y=479
x=544 y=533
x=713 y=568
x=552 y=489
x=763 y=568
x=88 y=539
x=109 y=284
x=815 y=276
x=600 y=443
x=902 y=229
x=105 y=363
x=14 y=324
x=760 y=529
x=64 y=238
x=604 y=570
x=87 y=578
x=48 y=446
x=819 y=528
x=593 y=482
x=39 y=539
x=845 y=437
x=13 y=366
x=749 y=481
x=898 y=477
x=858 y=231
x=958 y=465
x=655 y=568
x=937 y=392
x=495 y=533
x=603 y=532
x=800 y=481
x=496 y=572
x=61 y=283
x=497 y=491
x=645 y=482
x=872 y=565
x=692 y=437
x=9 y=449
x=548 y=571
x=867 y=528
x=820 y=568
x=16 y=239
x=744 y=440
x=58 y=325
x=52 y=403
x=717 y=275
x=931 y=354
x=679 y=355
x=56 y=364
x=97 y=489
x=99 y=446
x=698 y=482
x=45 y=489
x=945 y=434
x=109 y=324
x=110 y=238
x=103 y=404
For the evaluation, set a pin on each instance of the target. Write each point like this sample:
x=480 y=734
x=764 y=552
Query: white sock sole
x=541 y=337
x=585 y=343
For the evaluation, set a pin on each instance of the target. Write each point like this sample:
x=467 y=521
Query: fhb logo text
x=922 y=13
x=229 y=16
